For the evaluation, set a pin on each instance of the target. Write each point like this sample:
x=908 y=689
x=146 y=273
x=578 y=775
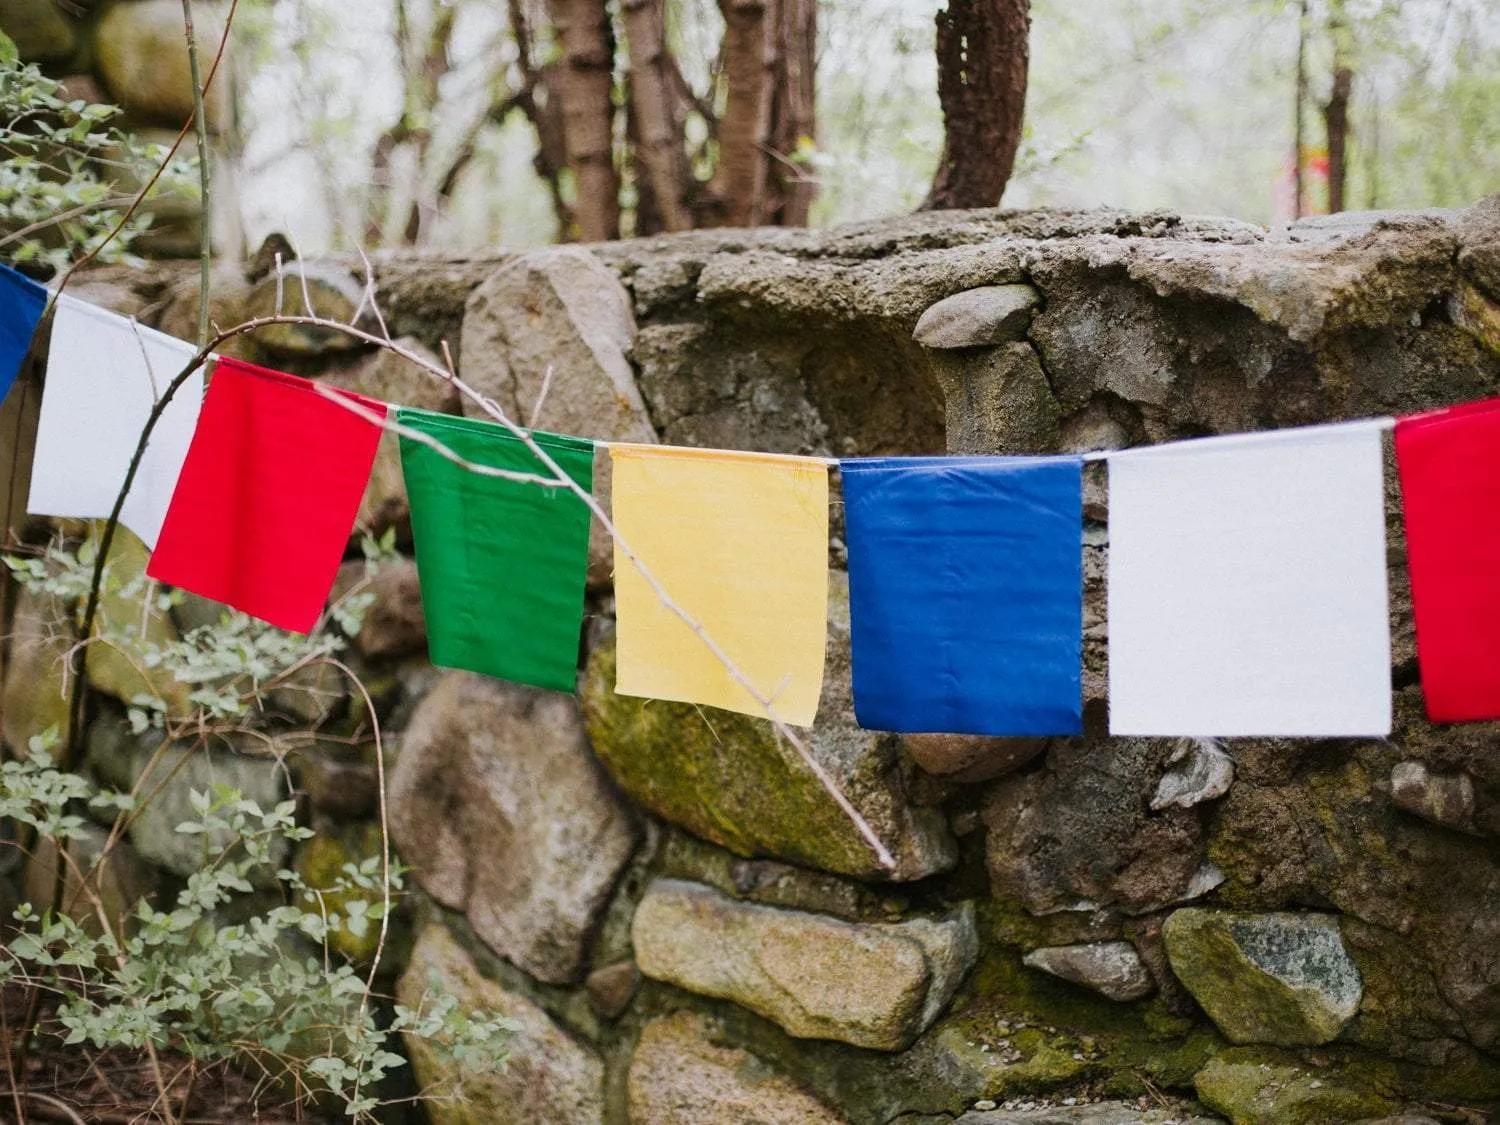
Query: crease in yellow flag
x=739 y=541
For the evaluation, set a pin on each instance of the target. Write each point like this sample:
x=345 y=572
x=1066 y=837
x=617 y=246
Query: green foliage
x=66 y=175
x=229 y=664
x=261 y=991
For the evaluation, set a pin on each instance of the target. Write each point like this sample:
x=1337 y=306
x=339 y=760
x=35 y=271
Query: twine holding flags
x=1247 y=575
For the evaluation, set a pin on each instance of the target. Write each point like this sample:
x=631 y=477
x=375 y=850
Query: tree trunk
x=1336 y=110
x=983 y=54
x=585 y=87
x=748 y=55
x=1299 y=190
x=794 y=112
x=1336 y=115
x=661 y=161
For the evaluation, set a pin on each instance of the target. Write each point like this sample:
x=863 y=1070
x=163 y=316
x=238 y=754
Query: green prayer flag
x=502 y=563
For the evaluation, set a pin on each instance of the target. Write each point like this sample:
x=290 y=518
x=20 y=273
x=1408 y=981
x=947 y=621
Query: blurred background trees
x=470 y=123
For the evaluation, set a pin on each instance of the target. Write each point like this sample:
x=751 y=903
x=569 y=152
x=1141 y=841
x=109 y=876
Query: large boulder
x=730 y=778
x=1283 y=978
x=502 y=812
x=680 y=1076
x=548 y=337
x=142 y=57
x=547 y=1075
x=873 y=985
x=561 y=311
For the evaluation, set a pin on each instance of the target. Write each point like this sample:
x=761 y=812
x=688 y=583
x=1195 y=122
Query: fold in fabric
x=502 y=563
x=105 y=374
x=1247 y=586
x=22 y=302
x=1449 y=464
x=268 y=495
x=966 y=593
x=740 y=542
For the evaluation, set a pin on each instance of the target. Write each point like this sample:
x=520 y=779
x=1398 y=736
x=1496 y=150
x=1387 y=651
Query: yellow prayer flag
x=739 y=541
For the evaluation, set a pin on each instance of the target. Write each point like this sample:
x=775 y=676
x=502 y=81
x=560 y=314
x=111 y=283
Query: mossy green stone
x=1283 y=979
x=729 y=779
x=321 y=862
x=1253 y=1092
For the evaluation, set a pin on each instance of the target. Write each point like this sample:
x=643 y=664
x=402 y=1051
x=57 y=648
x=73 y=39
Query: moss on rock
x=731 y=780
x=1266 y=1090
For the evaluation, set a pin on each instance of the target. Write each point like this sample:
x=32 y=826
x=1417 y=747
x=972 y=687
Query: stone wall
x=132 y=53
x=678 y=919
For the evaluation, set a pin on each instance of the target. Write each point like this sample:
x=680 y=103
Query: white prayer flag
x=1247 y=586
x=105 y=372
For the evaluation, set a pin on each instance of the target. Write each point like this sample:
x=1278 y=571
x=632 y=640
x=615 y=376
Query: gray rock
x=502 y=812
x=991 y=314
x=143 y=59
x=561 y=311
x=1446 y=799
x=1200 y=771
x=680 y=1076
x=180 y=771
x=998 y=400
x=1081 y=834
x=1111 y=968
x=730 y=779
x=394 y=625
x=547 y=1075
x=872 y=985
x=1281 y=978
x=971 y=757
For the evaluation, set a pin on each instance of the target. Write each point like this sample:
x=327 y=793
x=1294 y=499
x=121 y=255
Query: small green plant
x=67 y=175
x=261 y=992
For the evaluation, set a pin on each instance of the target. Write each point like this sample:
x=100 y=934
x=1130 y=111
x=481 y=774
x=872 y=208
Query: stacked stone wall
x=678 y=919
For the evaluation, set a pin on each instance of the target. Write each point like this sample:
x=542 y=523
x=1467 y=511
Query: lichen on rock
x=1281 y=978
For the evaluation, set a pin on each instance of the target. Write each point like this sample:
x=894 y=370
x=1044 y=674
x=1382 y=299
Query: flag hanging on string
x=105 y=374
x=966 y=593
x=1247 y=586
x=268 y=494
x=1449 y=465
x=22 y=302
x=740 y=542
x=502 y=562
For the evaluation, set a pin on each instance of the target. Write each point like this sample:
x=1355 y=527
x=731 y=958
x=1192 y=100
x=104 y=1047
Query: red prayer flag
x=268 y=495
x=1449 y=462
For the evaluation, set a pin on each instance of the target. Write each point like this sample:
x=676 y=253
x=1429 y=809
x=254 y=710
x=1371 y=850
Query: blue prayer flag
x=21 y=304
x=966 y=593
